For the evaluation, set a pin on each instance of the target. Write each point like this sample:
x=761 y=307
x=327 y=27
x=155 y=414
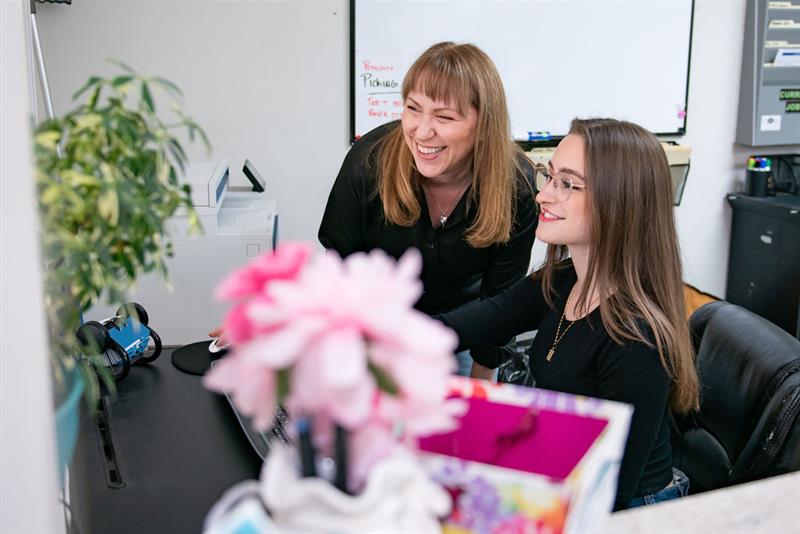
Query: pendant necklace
x=559 y=334
x=443 y=215
x=557 y=339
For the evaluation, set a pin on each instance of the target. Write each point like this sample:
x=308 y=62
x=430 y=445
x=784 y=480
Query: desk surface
x=178 y=448
x=769 y=506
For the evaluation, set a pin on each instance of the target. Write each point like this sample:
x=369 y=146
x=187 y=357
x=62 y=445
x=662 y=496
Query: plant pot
x=68 y=421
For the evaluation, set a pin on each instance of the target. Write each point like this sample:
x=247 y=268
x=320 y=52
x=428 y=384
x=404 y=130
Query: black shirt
x=586 y=362
x=453 y=272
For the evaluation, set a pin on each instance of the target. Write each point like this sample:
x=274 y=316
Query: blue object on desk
x=120 y=340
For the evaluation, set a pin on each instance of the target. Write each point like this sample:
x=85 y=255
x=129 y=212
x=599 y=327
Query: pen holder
x=759 y=183
x=398 y=497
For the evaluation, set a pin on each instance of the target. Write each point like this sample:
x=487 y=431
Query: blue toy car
x=120 y=341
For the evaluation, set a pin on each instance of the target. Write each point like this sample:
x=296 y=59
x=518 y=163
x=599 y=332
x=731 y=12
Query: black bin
x=764 y=259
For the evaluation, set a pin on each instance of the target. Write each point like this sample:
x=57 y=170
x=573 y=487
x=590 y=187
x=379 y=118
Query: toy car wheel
x=156 y=351
x=141 y=313
x=117 y=361
x=93 y=337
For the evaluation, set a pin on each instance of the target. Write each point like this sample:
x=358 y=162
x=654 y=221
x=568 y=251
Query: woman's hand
x=219 y=333
x=484 y=373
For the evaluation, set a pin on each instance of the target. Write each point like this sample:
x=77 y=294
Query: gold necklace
x=557 y=339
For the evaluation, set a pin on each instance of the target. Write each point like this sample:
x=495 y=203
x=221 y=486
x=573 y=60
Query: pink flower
x=251 y=386
x=368 y=445
x=345 y=332
x=251 y=280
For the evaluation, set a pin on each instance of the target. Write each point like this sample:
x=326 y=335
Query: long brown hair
x=634 y=260
x=464 y=75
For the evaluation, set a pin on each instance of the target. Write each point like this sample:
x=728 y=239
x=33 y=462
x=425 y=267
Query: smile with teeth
x=430 y=150
x=546 y=215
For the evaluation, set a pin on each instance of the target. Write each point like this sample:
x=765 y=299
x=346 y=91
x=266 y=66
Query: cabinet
x=769 y=94
x=764 y=260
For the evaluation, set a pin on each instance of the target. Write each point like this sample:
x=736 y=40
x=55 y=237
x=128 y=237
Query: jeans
x=464 y=363
x=679 y=487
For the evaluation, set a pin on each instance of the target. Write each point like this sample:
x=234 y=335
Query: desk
x=178 y=448
x=769 y=506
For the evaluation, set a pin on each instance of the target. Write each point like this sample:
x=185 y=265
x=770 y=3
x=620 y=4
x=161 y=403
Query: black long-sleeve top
x=586 y=362
x=453 y=272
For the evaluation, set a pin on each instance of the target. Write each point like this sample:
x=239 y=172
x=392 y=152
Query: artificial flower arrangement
x=340 y=346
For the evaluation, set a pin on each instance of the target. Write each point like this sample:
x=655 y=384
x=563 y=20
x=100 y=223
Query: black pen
x=307 y=456
x=340 y=480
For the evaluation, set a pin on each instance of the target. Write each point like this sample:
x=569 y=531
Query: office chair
x=747 y=427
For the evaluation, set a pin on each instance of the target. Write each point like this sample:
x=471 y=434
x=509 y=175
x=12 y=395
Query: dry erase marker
x=539 y=136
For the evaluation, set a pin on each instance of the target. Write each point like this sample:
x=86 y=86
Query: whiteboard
x=559 y=59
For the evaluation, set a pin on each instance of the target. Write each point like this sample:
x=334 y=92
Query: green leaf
x=383 y=380
x=88 y=121
x=51 y=194
x=177 y=151
x=121 y=81
x=95 y=97
x=94 y=80
x=204 y=137
x=48 y=139
x=282 y=379
x=167 y=85
x=108 y=206
x=79 y=179
x=121 y=65
x=147 y=98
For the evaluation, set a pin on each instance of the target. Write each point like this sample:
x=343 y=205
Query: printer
x=238 y=224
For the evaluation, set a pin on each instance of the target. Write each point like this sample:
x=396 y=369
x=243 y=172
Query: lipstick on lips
x=547 y=216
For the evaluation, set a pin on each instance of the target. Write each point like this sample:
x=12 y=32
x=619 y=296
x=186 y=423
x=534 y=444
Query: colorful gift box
x=527 y=460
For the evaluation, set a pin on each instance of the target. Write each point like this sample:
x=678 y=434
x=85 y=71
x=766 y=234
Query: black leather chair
x=748 y=425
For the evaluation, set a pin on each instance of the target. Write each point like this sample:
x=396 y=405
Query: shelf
x=785 y=24
x=783 y=6
x=774 y=45
x=781 y=74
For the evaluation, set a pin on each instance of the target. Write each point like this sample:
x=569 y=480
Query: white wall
x=268 y=80
x=717 y=166
x=28 y=480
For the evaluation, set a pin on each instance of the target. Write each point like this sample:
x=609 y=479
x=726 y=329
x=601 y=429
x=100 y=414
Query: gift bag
x=528 y=460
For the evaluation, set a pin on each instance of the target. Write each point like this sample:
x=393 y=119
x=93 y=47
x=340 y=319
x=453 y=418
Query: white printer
x=238 y=225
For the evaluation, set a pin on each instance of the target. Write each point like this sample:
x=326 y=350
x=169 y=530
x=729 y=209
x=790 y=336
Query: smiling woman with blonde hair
x=446 y=179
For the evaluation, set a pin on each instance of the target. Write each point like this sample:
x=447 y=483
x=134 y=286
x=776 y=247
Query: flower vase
x=398 y=497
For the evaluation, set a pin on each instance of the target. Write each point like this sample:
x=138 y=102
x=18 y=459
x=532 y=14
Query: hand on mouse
x=220 y=342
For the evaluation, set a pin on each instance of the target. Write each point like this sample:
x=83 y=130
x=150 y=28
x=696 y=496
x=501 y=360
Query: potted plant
x=107 y=176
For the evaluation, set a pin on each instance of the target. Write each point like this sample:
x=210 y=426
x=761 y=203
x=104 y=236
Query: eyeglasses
x=563 y=186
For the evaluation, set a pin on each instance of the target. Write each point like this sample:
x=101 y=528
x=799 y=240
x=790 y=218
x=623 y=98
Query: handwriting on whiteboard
x=381 y=86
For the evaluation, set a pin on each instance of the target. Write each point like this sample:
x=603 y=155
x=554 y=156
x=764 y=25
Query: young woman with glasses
x=608 y=301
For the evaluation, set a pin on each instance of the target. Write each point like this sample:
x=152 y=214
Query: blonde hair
x=464 y=75
x=628 y=179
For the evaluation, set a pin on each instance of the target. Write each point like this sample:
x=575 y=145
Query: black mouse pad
x=194 y=358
